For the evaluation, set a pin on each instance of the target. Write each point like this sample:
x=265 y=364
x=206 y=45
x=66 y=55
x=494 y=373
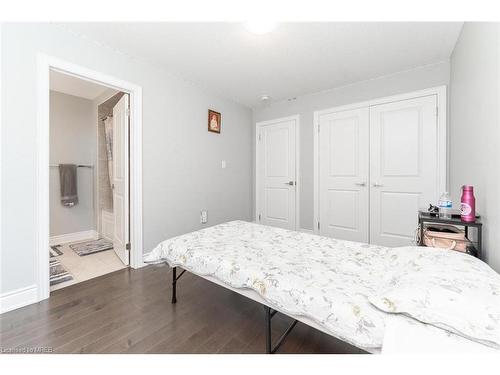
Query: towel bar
x=78 y=166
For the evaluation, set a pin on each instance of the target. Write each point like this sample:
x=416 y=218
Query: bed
x=342 y=288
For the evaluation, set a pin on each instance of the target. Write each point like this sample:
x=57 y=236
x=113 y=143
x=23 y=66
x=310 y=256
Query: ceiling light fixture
x=259 y=27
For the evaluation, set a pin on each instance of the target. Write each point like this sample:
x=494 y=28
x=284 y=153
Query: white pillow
x=446 y=289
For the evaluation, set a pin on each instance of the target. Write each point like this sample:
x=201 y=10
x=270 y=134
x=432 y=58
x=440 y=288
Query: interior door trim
x=439 y=91
x=258 y=125
x=46 y=63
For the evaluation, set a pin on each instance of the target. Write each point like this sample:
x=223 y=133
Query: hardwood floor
x=129 y=311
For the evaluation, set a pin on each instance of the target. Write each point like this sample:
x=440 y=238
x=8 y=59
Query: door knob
x=291 y=183
x=377 y=185
x=360 y=183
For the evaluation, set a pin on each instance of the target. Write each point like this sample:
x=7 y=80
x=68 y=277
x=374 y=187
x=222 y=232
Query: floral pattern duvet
x=326 y=280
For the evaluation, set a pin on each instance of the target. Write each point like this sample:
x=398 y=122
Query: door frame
x=258 y=125
x=442 y=140
x=45 y=63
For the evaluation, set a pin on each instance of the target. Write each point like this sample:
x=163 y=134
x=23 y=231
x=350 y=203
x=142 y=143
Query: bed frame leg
x=270 y=349
x=174 y=285
x=268 y=330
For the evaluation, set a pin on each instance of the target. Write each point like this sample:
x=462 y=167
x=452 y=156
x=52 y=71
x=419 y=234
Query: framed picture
x=214 y=121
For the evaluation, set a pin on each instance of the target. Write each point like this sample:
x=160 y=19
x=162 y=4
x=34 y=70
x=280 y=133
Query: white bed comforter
x=324 y=279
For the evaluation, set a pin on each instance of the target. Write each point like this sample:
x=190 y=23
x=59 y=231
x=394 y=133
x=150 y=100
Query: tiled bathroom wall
x=105 y=194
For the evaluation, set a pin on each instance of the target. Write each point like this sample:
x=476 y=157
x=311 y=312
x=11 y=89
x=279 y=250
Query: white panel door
x=343 y=175
x=403 y=167
x=276 y=169
x=120 y=178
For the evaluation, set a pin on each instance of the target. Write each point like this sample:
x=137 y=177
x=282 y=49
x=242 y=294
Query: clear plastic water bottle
x=444 y=205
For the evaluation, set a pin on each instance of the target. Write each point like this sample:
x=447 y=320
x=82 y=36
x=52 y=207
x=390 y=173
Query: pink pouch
x=434 y=236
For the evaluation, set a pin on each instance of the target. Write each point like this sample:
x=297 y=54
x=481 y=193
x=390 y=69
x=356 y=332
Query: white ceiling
x=292 y=60
x=70 y=85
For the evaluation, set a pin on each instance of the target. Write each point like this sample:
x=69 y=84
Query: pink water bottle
x=468 y=204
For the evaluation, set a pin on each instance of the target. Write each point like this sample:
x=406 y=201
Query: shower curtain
x=108 y=133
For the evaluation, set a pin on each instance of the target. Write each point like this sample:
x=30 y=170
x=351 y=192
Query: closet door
x=343 y=175
x=403 y=167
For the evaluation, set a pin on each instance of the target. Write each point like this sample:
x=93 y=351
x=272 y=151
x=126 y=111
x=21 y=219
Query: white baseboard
x=74 y=237
x=310 y=231
x=107 y=238
x=140 y=265
x=18 y=298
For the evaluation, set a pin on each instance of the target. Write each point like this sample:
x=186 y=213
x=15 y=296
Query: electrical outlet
x=203 y=216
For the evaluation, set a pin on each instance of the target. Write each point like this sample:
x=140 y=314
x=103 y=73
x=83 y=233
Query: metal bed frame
x=269 y=314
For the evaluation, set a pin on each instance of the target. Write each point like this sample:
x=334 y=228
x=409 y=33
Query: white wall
x=475 y=126
x=412 y=80
x=181 y=159
x=72 y=140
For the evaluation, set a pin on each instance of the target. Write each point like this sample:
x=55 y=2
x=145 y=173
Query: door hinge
x=127 y=111
x=318 y=127
x=259 y=218
x=127 y=246
x=260 y=137
x=318 y=225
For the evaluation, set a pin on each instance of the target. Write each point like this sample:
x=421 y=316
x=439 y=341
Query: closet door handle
x=377 y=185
x=360 y=183
x=291 y=183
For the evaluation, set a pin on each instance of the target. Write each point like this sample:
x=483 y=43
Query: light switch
x=203 y=216
x=223 y=164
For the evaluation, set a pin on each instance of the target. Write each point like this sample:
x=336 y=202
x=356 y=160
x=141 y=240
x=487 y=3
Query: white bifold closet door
x=378 y=166
x=403 y=167
x=343 y=175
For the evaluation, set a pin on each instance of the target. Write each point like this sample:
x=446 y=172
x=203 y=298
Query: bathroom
x=82 y=243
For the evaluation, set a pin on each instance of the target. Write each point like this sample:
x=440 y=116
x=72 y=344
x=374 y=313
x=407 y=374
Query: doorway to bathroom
x=88 y=180
x=89 y=175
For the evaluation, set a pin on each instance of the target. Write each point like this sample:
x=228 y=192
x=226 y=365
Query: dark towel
x=68 y=181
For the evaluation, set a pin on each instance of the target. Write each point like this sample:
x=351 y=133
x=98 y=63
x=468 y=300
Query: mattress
x=404 y=335
x=325 y=280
